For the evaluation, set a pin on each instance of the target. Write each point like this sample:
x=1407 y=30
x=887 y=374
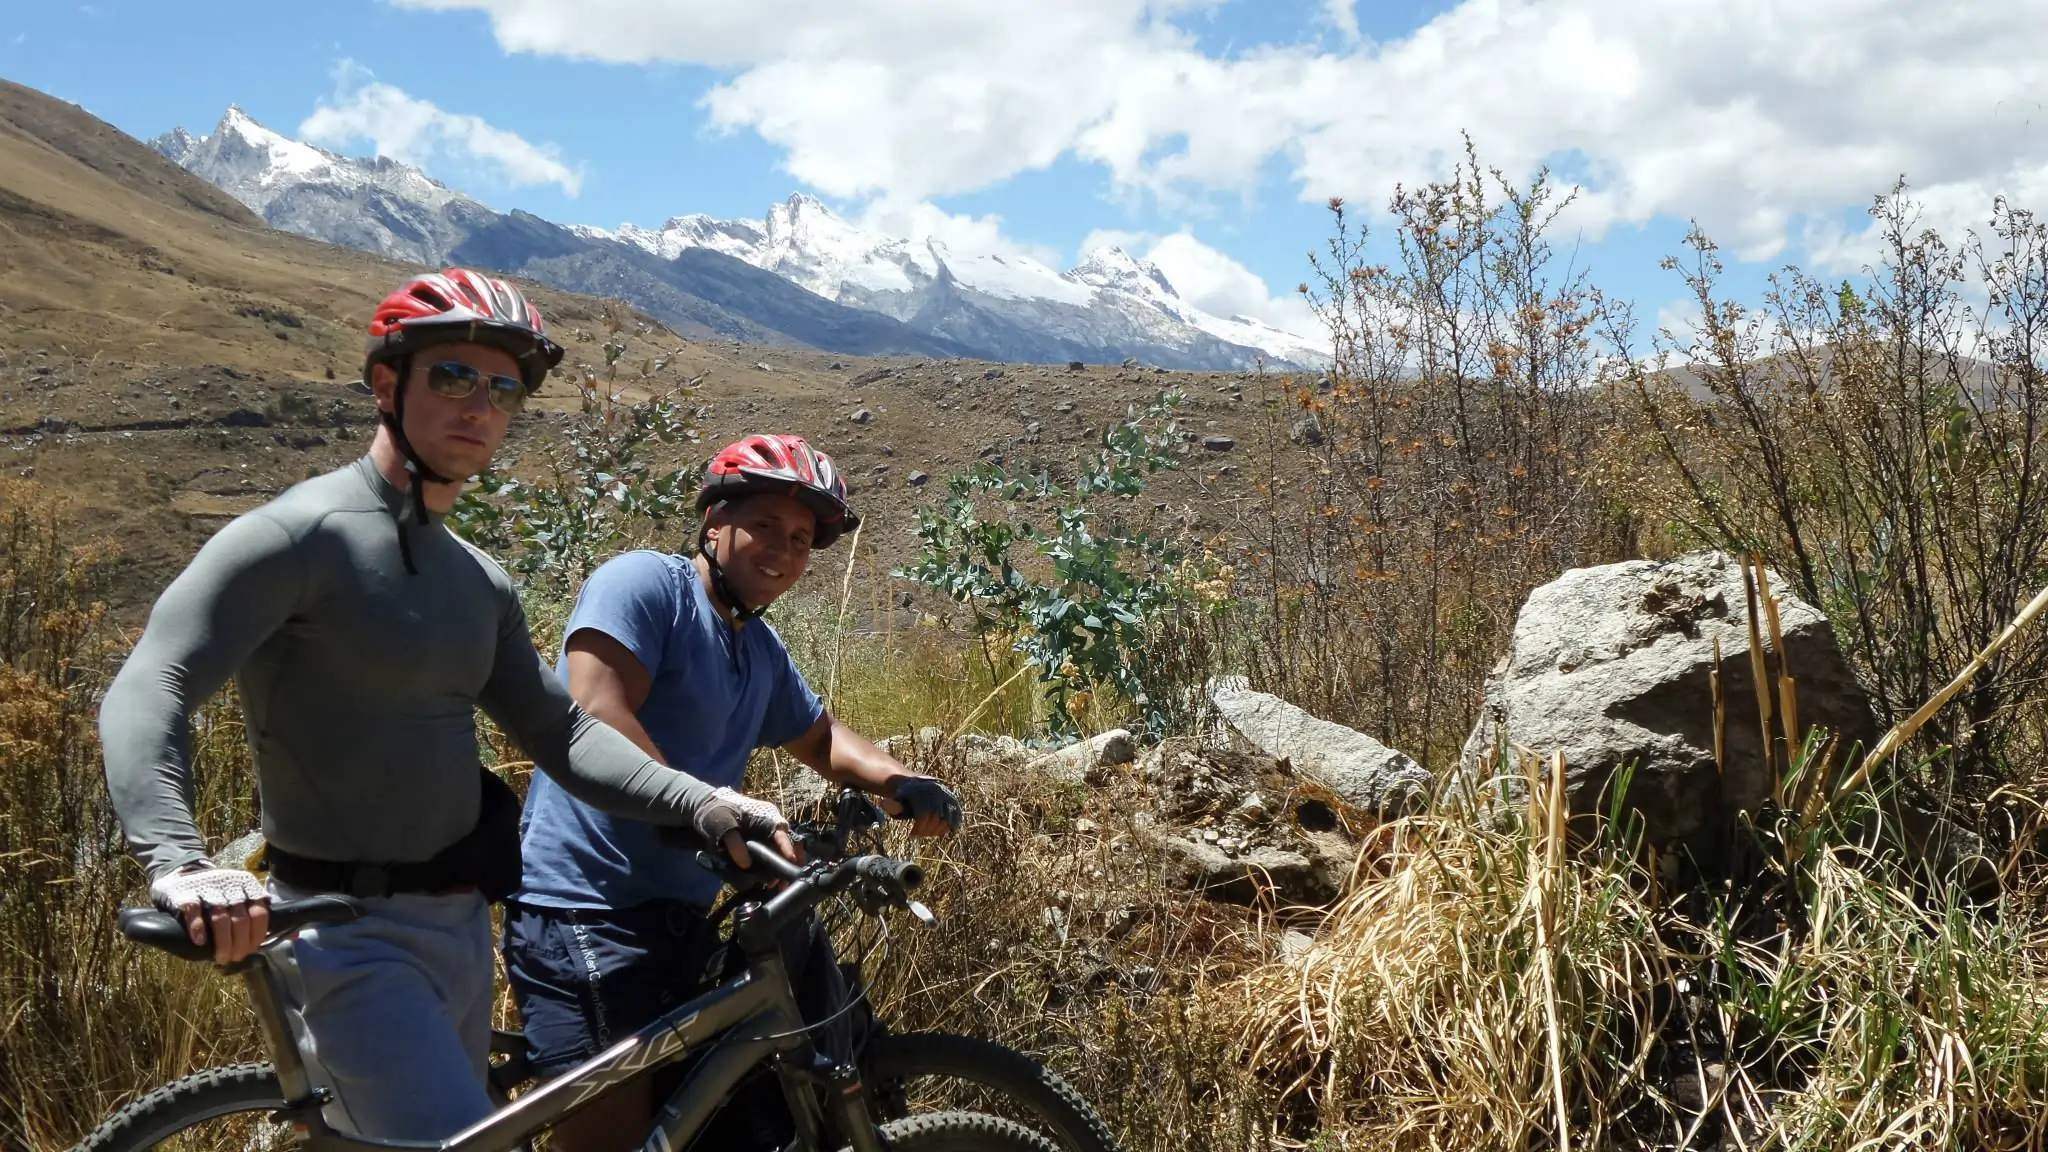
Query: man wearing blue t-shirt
x=609 y=930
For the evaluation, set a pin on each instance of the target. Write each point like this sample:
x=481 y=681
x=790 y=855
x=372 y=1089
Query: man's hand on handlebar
x=781 y=841
x=729 y=819
x=930 y=806
x=227 y=905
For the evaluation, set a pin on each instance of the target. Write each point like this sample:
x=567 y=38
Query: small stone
x=763 y=366
x=1218 y=443
x=836 y=366
x=1211 y=835
x=1033 y=428
x=1254 y=810
x=1064 y=406
x=1295 y=944
x=861 y=416
x=1085 y=825
x=917 y=479
x=992 y=374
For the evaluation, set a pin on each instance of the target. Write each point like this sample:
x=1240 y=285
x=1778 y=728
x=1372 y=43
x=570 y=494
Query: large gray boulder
x=1360 y=770
x=1610 y=665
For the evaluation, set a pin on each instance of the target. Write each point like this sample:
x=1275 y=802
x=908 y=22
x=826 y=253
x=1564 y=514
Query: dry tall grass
x=88 y=1018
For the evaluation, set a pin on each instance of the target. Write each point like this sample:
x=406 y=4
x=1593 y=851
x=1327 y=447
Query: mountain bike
x=905 y=1073
x=746 y=1022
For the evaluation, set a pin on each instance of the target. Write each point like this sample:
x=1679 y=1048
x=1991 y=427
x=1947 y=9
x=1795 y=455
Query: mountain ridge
x=802 y=275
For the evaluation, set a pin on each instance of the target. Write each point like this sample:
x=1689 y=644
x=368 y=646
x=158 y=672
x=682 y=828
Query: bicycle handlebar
x=902 y=874
x=163 y=930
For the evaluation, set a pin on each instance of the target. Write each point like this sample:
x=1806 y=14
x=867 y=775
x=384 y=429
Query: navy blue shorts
x=584 y=979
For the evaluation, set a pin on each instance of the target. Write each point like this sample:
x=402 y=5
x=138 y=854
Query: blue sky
x=1206 y=133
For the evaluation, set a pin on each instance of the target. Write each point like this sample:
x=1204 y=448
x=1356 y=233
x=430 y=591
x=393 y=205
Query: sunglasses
x=456 y=380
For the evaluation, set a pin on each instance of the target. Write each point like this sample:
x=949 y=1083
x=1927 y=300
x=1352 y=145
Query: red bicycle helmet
x=784 y=464
x=456 y=305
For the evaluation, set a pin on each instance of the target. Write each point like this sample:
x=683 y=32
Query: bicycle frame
x=750 y=1019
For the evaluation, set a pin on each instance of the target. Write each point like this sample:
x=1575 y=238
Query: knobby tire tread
x=961 y=1132
x=163 y=1112
x=1012 y=1073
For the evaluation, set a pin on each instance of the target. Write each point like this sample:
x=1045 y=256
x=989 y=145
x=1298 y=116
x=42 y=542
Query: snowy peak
x=736 y=238
x=1113 y=268
x=255 y=165
x=1110 y=298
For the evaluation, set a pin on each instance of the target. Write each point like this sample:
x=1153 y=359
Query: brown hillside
x=170 y=361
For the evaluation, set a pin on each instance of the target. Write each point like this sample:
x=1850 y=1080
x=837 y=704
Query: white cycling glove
x=210 y=887
x=725 y=810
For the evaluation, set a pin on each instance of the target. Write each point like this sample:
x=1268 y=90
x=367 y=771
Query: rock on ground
x=1240 y=827
x=1076 y=761
x=1611 y=664
x=1362 y=771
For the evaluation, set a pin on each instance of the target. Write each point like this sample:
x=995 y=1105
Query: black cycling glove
x=924 y=796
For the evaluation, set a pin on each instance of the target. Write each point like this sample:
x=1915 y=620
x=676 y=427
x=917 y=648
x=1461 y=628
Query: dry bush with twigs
x=1881 y=443
x=1441 y=473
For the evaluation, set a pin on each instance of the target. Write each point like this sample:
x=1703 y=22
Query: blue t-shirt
x=717 y=695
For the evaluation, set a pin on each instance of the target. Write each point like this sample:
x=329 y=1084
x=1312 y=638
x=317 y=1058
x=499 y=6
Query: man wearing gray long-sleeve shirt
x=362 y=636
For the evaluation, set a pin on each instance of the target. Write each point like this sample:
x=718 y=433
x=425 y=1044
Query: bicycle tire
x=156 y=1116
x=1052 y=1105
x=960 y=1132
x=165 y=1112
x=149 y=1120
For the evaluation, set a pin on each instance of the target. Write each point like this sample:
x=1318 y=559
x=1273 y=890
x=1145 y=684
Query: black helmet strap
x=741 y=612
x=416 y=468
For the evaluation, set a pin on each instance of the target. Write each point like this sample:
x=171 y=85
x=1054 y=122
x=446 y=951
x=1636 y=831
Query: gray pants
x=393 y=1012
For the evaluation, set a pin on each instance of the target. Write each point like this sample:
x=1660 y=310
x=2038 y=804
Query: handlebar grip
x=901 y=874
x=164 y=930
x=767 y=859
x=161 y=930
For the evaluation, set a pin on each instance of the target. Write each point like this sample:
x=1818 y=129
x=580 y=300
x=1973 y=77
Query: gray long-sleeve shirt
x=358 y=684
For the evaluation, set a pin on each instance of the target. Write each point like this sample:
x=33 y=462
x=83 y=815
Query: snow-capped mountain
x=379 y=204
x=1021 y=309
x=803 y=274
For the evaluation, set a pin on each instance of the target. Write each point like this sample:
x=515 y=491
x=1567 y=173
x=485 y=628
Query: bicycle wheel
x=961 y=1132
x=911 y=1073
x=218 y=1110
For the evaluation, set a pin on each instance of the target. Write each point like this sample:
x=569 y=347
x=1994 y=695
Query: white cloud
x=418 y=132
x=1132 y=242
x=1748 y=114
x=1343 y=16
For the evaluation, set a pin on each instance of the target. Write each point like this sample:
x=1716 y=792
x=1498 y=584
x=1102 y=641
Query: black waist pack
x=486 y=858
x=499 y=865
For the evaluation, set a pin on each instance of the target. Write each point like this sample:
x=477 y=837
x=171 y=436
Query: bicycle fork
x=838 y=1085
